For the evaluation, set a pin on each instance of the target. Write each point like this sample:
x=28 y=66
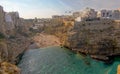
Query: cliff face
x=95 y=37
x=14 y=35
x=14 y=39
x=2 y=20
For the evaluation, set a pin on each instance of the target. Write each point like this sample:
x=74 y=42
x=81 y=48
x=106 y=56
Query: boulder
x=118 y=69
x=7 y=68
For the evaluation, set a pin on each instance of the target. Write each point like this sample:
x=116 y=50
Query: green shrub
x=2 y=36
x=12 y=37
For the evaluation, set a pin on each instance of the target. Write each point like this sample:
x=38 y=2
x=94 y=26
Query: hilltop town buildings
x=91 y=14
x=110 y=14
x=11 y=21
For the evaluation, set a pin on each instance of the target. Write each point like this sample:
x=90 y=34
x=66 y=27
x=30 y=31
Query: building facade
x=110 y=14
x=87 y=14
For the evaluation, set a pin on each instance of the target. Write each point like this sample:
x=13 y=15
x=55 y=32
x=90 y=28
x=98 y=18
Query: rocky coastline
x=106 y=59
x=100 y=39
x=98 y=45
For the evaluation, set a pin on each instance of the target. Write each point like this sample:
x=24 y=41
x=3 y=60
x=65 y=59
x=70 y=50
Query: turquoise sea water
x=57 y=60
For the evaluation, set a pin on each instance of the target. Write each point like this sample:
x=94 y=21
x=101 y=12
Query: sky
x=47 y=8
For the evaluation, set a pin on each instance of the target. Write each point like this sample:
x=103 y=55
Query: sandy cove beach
x=44 y=40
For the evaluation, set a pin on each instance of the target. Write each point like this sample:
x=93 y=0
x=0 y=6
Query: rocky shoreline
x=98 y=38
x=104 y=58
x=47 y=40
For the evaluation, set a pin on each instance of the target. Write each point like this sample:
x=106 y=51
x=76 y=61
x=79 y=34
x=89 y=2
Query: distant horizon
x=30 y=9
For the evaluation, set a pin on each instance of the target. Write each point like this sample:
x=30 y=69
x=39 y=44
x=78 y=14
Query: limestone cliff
x=2 y=21
x=99 y=37
x=95 y=37
x=14 y=39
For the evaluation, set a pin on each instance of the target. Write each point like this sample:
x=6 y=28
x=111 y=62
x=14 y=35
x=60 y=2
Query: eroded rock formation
x=14 y=39
x=7 y=68
x=95 y=37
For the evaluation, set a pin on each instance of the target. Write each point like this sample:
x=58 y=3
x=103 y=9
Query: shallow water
x=57 y=60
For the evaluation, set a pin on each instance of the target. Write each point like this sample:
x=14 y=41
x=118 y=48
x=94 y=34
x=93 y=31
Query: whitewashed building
x=9 y=22
x=116 y=15
x=106 y=14
x=15 y=18
x=76 y=14
x=110 y=14
x=87 y=13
